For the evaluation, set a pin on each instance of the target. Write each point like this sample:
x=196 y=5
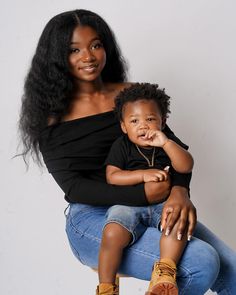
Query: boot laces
x=164 y=269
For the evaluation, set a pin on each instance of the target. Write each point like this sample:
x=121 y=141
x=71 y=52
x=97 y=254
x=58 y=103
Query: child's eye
x=151 y=119
x=134 y=121
x=74 y=50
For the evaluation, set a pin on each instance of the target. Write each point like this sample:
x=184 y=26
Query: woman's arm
x=79 y=189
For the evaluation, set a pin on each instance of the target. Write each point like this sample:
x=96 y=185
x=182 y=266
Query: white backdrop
x=186 y=46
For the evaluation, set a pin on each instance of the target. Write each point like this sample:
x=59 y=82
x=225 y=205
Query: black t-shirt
x=75 y=152
x=125 y=155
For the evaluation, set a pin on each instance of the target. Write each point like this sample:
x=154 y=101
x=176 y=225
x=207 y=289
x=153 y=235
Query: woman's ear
x=122 y=125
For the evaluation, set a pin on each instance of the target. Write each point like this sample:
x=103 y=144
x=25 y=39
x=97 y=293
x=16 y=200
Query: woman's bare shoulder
x=119 y=86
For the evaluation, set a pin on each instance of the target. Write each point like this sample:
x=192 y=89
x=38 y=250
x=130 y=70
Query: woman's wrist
x=180 y=190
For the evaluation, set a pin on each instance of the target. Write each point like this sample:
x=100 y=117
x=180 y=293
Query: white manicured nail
x=179 y=237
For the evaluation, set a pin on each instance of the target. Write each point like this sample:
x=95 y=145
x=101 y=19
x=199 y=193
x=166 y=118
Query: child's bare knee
x=115 y=234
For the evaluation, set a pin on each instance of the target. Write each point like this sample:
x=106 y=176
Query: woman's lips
x=89 y=68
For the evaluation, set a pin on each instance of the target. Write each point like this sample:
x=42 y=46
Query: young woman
x=67 y=115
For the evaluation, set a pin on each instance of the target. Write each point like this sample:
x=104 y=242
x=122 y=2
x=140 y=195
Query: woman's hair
x=142 y=91
x=48 y=85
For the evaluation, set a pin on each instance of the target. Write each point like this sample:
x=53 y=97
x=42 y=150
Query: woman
x=76 y=73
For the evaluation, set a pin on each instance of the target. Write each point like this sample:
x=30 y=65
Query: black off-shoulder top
x=74 y=153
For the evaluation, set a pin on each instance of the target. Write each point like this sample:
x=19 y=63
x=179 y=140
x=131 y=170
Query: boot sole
x=163 y=289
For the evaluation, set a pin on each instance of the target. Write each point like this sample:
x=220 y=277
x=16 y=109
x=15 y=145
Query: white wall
x=186 y=46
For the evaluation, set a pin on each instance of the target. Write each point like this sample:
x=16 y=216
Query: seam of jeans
x=75 y=251
x=92 y=237
x=150 y=214
x=185 y=289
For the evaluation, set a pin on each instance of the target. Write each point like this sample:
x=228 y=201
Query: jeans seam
x=190 y=278
x=94 y=238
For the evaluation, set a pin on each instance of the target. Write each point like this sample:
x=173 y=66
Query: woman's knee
x=206 y=262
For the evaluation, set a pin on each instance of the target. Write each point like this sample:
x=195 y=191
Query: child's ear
x=122 y=125
x=163 y=124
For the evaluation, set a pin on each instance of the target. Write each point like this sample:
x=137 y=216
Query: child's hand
x=155 y=175
x=156 y=138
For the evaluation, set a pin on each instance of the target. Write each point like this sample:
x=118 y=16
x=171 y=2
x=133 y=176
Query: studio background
x=188 y=47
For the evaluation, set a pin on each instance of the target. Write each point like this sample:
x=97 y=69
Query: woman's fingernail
x=161 y=228
x=167 y=232
x=167 y=168
x=189 y=238
x=179 y=237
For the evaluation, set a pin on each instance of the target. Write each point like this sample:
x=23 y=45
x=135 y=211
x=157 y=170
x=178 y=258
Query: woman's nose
x=87 y=56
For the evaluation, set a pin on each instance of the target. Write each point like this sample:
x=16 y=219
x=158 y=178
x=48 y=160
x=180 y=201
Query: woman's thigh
x=225 y=283
x=84 y=230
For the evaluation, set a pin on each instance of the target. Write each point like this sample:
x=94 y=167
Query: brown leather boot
x=107 y=289
x=163 y=280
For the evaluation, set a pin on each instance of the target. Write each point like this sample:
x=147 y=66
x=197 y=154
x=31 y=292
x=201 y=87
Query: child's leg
x=170 y=247
x=163 y=279
x=115 y=238
x=122 y=228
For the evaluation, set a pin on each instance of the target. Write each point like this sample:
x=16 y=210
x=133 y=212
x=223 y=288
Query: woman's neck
x=91 y=98
x=88 y=88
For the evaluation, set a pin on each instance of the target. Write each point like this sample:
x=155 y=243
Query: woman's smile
x=89 y=68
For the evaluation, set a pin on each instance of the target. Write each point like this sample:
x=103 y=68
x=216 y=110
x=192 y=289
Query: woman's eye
x=97 y=45
x=74 y=50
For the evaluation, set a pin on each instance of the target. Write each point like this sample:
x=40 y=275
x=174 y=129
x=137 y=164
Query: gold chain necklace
x=150 y=164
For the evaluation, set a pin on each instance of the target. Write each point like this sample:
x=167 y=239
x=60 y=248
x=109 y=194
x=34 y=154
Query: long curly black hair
x=48 y=85
x=142 y=91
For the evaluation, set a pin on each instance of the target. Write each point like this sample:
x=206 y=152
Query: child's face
x=138 y=117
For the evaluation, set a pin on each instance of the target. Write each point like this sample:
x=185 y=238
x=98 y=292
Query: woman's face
x=87 y=56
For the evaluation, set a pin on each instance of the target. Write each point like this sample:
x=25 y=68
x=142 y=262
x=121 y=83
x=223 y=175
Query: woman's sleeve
x=178 y=179
x=79 y=189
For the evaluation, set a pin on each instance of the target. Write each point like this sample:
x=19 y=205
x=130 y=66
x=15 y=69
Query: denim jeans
x=207 y=263
x=135 y=219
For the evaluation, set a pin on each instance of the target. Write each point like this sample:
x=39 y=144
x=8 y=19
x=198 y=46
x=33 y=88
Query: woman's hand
x=178 y=207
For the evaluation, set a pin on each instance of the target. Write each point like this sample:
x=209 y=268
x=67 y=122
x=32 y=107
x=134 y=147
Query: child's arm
x=118 y=176
x=181 y=159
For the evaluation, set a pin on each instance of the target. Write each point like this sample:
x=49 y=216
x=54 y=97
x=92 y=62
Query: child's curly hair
x=142 y=91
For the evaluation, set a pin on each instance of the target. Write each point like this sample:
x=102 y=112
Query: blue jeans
x=207 y=263
x=135 y=219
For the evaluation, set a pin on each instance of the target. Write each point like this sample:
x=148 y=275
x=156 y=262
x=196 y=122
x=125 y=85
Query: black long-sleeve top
x=74 y=153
